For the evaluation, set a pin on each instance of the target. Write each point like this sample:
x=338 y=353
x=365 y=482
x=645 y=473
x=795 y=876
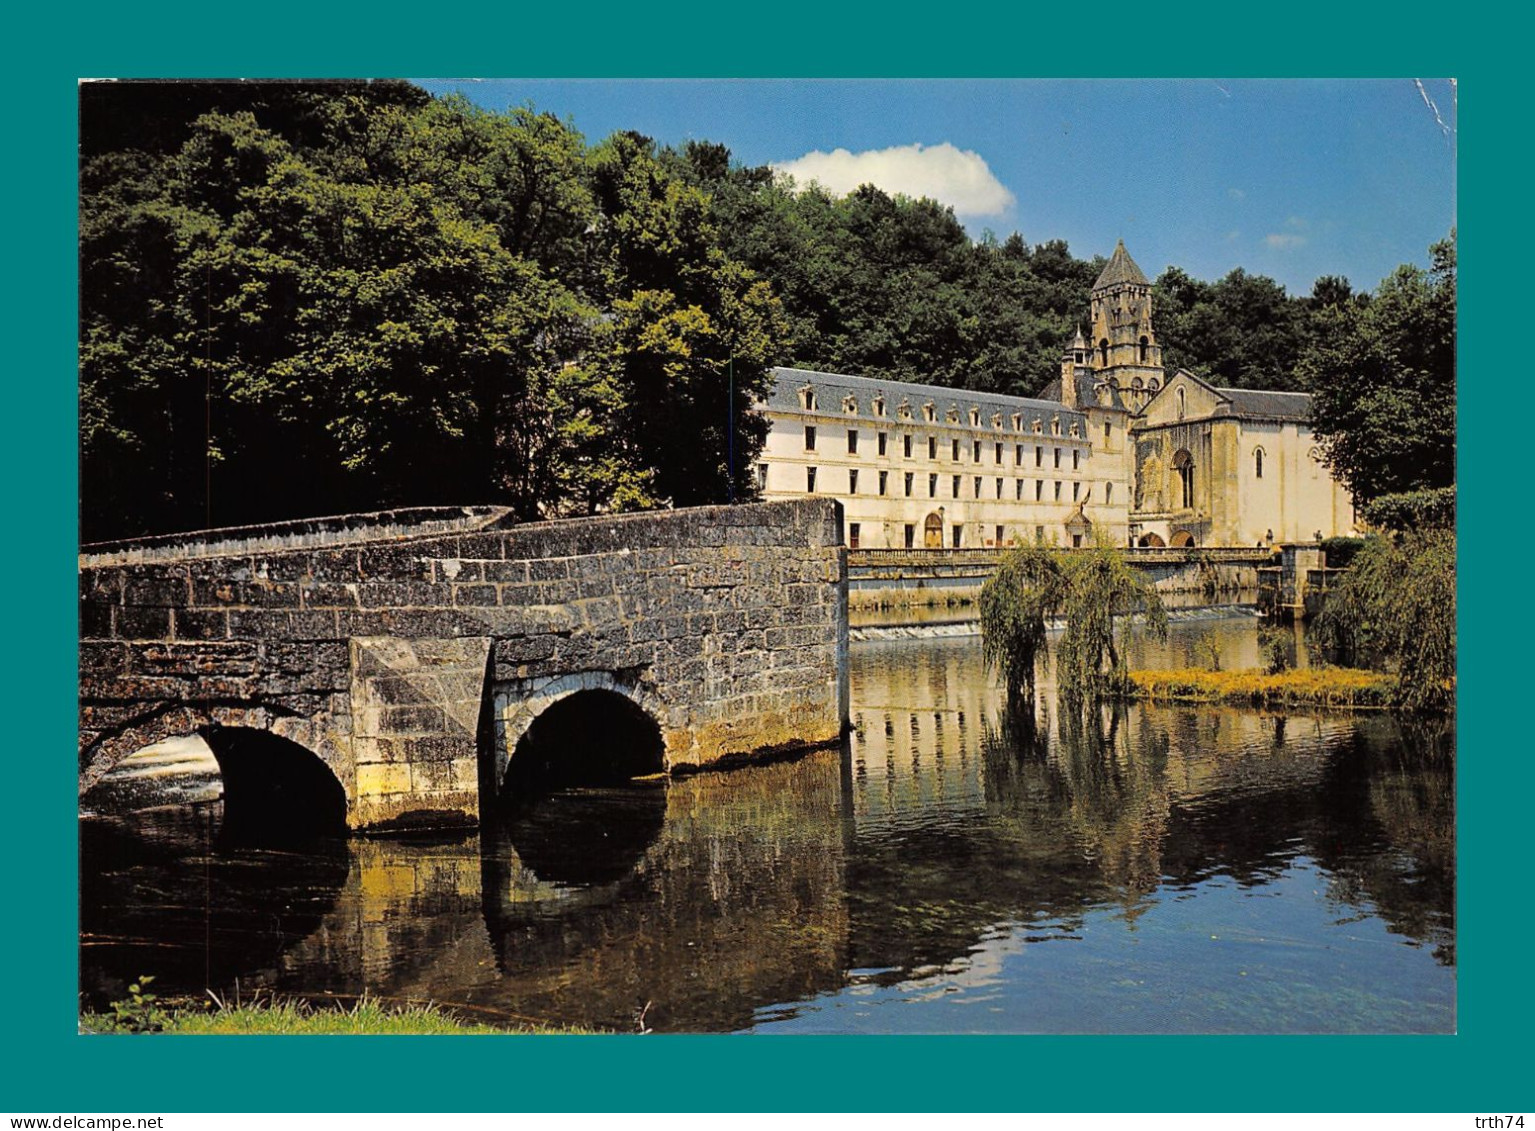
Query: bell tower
x=1124 y=345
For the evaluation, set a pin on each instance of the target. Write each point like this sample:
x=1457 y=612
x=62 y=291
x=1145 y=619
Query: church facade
x=1116 y=443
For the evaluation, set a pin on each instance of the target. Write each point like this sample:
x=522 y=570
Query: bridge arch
x=274 y=787
x=590 y=727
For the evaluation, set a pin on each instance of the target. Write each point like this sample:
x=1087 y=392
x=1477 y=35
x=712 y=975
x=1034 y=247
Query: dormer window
x=879 y=406
x=1039 y=426
x=807 y=398
x=1055 y=426
x=996 y=420
x=1074 y=430
x=952 y=416
x=904 y=409
x=1017 y=422
x=975 y=418
x=929 y=412
x=850 y=405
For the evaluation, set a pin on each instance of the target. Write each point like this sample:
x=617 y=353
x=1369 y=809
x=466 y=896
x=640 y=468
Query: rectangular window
x=1076 y=491
x=1057 y=490
x=957 y=529
x=810 y=437
x=884 y=477
x=999 y=486
x=932 y=486
x=1017 y=455
x=1108 y=492
x=881 y=443
x=999 y=453
x=1039 y=533
x=852 y=535
x=810 y=479
x=1076 y=459
x=1076 y=540
x=911 y=531
x=954 y=487
x=932 y=447
x=852 y=481
x=762 y=477
x=977 y=486
x=1018 y=489
x=908 y=484
x=954 y=450
x=999 y=536
x=906 y=445
x=1107 y=428
x=1057 y=457
x=1039 y=489
x=1039 y=456
x=975 y=451
x=852 y=441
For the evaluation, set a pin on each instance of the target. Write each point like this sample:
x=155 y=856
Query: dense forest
x=307 y=298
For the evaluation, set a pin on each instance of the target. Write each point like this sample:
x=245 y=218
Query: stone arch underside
x=100 y=754
x=518 y=703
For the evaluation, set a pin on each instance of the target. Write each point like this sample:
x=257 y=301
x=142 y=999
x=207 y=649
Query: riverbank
x=1313 y=687
x=365 y=1016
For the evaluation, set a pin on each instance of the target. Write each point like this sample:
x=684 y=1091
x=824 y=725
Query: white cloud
x=1236 y=194
x=957 y=177
x=1283 y=241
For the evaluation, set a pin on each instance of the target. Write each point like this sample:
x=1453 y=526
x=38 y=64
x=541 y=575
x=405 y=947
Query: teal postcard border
x=50 y=1068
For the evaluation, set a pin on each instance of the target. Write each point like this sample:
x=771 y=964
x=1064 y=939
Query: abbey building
x=1116 y=443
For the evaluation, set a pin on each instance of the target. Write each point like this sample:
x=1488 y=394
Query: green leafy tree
x=689 y=329
x=1394 y=609
x=1016 y=603
x=1087 y=588
x=1100 y=585
x=1382 y=381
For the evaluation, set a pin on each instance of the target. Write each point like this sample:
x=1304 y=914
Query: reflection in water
x=956 y=868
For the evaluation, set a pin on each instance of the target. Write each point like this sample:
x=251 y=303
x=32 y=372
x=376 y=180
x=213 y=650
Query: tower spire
x=1124 y=346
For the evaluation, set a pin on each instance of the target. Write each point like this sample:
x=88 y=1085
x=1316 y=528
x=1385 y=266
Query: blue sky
x=1292 y=179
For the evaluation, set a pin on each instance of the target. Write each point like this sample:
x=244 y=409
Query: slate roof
x=1087 y=395
x=1120 y=269
x=1269 y=405
x=831 y=388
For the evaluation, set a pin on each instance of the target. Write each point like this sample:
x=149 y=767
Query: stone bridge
x=398 y=669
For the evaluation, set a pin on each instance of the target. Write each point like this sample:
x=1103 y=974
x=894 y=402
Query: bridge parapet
x=383 y=654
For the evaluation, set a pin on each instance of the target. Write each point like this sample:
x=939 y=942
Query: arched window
x=1183 y=470
x=1258 y=462
x=1103 y=349
x=1145 y=348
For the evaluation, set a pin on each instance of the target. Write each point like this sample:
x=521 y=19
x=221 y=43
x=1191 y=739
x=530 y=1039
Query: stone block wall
x=727 y=624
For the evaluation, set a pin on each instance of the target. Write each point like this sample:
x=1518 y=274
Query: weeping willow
x=1087 y=588
x=1100 y=586
x=1394 y=609
x=1016 y=603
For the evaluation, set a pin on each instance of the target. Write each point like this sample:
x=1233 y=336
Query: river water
x=953 y=869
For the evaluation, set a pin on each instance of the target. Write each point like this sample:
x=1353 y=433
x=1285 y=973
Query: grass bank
x=366 y=1016
x=1307 y=687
